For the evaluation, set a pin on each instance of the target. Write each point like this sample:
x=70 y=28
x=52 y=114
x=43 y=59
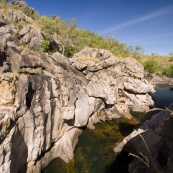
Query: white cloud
x=160 y=12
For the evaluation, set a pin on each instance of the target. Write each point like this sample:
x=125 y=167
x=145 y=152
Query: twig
x=131 y=154
x=169 y=110
x=144 y=142
x=154 y=109
x=146 y=158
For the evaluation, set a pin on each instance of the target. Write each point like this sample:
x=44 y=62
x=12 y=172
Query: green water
x=94 y=154
x=94 y=151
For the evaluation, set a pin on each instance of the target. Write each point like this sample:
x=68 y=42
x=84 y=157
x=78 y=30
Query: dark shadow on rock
x=120 y=164
x=126 y=128
x=154 y=147
x=29 y=96
x=159 y=139
x=2 y=58
x=19 y=153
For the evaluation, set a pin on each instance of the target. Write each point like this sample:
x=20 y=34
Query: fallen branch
x=120 y=146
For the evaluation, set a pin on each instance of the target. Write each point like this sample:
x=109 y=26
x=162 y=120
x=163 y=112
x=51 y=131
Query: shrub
x=52 y=25
x=20 y=26
x=3 y=134
x=45 y=45
x=168 y=71
x=35 y=15
x=70 y=50
x=151 y=66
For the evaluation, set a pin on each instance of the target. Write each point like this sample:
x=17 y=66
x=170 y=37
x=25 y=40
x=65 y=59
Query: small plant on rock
x=45 y=45
x=3 y=134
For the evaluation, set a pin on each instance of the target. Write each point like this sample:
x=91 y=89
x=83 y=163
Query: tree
x=72 y=23
x=139 y=49
x=171 y=54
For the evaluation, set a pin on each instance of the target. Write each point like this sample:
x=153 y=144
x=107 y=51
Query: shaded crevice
x=107 y=106
x=135 y=93
x=43 y=153
x=29 y=96
x=3 y=58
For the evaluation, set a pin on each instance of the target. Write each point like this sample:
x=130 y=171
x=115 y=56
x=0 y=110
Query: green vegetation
x=3 y=134
x=70 y=50
x=74 y=39
x=45 y=45
x=151 y=66
x=168 y=71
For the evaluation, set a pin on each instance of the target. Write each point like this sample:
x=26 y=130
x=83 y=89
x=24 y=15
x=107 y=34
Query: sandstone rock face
x=47 y=100
x=31 y=37
x=7 y=33
x=118 y=82
x=10 y=34
x=16 y=16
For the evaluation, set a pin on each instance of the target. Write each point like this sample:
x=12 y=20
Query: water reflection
x=163 y=97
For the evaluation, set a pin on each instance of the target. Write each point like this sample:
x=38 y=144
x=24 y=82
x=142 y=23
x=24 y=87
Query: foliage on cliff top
x=66 y=32
x=73 y=39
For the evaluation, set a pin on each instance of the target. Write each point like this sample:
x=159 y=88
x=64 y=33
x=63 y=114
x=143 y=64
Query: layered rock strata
x=46 y=100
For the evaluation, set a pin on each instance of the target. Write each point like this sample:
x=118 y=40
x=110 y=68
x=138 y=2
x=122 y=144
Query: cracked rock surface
x=46 y=100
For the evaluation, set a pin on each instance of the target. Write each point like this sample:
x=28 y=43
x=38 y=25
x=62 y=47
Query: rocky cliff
x=46 y=100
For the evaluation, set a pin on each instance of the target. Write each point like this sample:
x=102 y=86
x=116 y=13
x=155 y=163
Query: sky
x=147 y=23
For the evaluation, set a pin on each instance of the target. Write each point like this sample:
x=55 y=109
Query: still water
x=94 y=154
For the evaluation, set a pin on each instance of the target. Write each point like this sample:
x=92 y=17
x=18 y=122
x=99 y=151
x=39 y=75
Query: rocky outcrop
x=10 y=35
x=46 y=100
x=16 y=16
x=156 y=80
x=22 y=5
x=119 y=82
x=7 y=34
x=154 y=152
x=31 y=37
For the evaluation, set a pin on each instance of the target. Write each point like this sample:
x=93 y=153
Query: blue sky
x=148 y=23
